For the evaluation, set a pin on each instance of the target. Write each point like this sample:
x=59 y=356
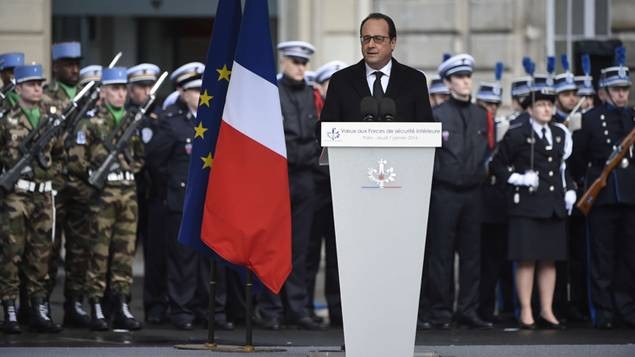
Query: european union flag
x=220 y=57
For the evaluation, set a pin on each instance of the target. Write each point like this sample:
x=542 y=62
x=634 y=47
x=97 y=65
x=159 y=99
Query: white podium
x=381 y=176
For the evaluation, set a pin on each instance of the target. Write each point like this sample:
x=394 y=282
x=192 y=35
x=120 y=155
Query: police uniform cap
x=520 y=86
x=437 y=86
x=143 y=73
x=90 y=73
x=10 y=60
x=455 y=65
x=188 y=75
x=616 y=76
x=115 y=75
x=490 y=92
x=71 y=50
x=584 y=85
x=564 y=82
x=325 y=72
x=170 y=99
x=296 y=49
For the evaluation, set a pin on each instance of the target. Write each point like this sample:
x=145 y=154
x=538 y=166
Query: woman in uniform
x=531 y=159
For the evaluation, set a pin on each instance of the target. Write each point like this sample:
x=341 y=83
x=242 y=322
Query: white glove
x=529 y=179
x=569 y=200
x=575 y=122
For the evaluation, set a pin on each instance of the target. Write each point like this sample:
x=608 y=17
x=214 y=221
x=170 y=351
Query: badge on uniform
x=446 y=135
x=81 y=138
x=146 y=135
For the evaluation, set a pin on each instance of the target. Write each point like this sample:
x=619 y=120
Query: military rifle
x=587 y=200
x=32 y=146
x=5 y=90
x=98 y=177
x=89 y=104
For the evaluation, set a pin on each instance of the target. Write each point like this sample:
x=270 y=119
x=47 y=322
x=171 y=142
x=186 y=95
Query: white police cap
x=170 y=99
x=298 y=49
x=144 y=72
x=325 y=72
x=188 y=75
x=457 y=64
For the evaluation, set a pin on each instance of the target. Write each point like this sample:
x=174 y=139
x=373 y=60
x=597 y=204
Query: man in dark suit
x=379 y=75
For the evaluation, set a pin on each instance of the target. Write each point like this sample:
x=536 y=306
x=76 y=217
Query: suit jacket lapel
x=361 y=84
x=395 y=73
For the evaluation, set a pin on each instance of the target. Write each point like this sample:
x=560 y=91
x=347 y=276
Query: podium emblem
x=382 y=175
x=334 y=134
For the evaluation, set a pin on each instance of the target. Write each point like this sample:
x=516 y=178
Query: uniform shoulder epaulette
x=515 y=126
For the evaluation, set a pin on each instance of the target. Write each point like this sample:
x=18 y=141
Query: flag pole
x=212 y=305
x=249 y=346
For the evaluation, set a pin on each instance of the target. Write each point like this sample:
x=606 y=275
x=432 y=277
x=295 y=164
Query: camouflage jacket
x=14 y=128
x=89 y=151
x=55 y=96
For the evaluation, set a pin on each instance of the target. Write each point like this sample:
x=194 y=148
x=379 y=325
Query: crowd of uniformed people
x=503 y=201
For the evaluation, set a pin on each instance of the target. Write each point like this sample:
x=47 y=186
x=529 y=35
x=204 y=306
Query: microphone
x=369 y=108
x=387 y=109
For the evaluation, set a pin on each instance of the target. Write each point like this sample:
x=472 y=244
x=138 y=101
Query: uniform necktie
x=378 y=91
x=544 y=137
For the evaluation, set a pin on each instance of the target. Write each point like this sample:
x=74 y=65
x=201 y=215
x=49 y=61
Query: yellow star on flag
x=205 y=98
x=200 y=131
x=207 y=161
x=223 y=73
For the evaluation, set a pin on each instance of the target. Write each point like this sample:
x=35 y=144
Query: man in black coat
x=455 y=203
x=378 y=74
x=611 y=235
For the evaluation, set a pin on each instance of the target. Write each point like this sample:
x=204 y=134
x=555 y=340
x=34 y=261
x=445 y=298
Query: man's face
x=489 y=106
x=460 y=84
x=293 y=67
x=6 y=75
x=542 y=111
x=436 y=99
x=377 y=53
x=139 y=92
x=567 y=100
x=191 y=97
x=114 y=94
x=67 y=71
x=619 y=95
x=30 y=92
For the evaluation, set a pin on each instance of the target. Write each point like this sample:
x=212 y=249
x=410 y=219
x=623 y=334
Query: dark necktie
x=544 y=137
x=378 y=91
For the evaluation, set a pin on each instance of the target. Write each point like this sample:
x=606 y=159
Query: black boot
x=11 y=325
x=74 y=313
x=97 y=319
x=122 y=318
x=40 y=320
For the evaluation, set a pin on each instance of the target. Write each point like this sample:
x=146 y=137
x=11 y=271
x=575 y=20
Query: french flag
x=247 y=215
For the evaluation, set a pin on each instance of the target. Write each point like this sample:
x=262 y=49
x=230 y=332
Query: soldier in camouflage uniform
x=8 y=61
x=114 y=209
x=72 y=196
x=28 y=207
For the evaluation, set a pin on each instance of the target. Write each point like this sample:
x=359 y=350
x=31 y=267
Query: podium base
x=226 y=348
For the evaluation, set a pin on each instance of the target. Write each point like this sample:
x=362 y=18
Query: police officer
x=611 y=232
x=113 y=210
x=72 y=196
x=8 y=61
x=438 y=91
x=28 y=207
x=494 y=266
x=323 y=228
x=455 y=204
x=520 y=88
x=150 y=195
x=566 y=93
x=300 y=120
x=530 y=159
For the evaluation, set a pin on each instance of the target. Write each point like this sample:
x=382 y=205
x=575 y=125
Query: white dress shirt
x=370 y=76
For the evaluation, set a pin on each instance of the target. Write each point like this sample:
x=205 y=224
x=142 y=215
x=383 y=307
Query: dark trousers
x=323 y=229
x=293 y=295
x=155 y=257
x=612 y=263
x=188 y=273
x=454 y=224
x=496 y=270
